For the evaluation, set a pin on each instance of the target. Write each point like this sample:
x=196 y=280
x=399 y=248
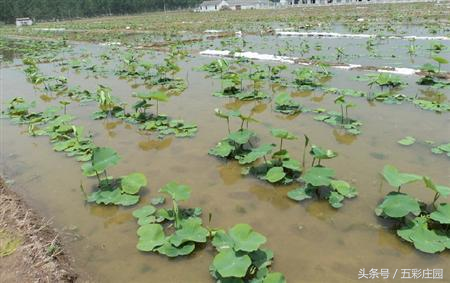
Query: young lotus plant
x=238 y=143
x=425 y=225
x=241 y=258
x=281 y=168
x=320 y=182
x=320 y=154
x=440 y=61
x=171 y=232
x=286 y=105
x=118 y=191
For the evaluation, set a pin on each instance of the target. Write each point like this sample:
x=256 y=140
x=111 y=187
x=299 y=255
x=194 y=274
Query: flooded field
x=314 y=240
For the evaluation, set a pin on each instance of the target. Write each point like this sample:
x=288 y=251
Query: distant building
x=216 y=5
x=24 y=22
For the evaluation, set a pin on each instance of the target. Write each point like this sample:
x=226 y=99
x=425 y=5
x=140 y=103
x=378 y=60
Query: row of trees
x=65 y=9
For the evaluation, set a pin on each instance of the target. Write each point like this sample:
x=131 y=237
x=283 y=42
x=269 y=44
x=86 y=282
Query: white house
x=24 y=22
x=216 y=5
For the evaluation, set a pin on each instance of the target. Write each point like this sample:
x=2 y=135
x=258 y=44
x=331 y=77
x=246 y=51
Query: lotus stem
x=314 y=160
x=83 y=191
x=177 y=216
x=228 y=124
x=106 y=177
x=281 y=144
x=436 y=197
x=98 y=178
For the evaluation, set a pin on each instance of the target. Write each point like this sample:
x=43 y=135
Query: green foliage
x=424 y=225
x=351 y=126
x=320 y=182
x=240 y=256
x=396 y=178
x=286 y=105
x=407 y=141
x=47 y=10
x=189 y=231
x=306 y=78
x=442 y=149
x=385 y=80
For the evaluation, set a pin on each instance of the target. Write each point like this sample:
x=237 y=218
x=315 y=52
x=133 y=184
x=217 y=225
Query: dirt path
x=30 y=250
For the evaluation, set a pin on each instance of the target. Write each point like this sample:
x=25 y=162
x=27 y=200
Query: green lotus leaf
x=281 y=154
x=222 y=241
x=158 y=95
x=228 y=264
x=171 y=251
x=191 y=230
x=321 y=153
x=282 y=134
x=104 y=157
x=440 y=60
x=87 y=169
x=222 y=149
x=245 y=239
x=241 y=136
x=444 y=147
x=275 y=174
x=261 y=258
x=397 y=179
x=113 y=197
x=147 y=220
x=131 y=184
x=176 y=191
x=299 y=194
x=335 y=199
x=275 y=277
x=407 y=141
x=344 y=188
x=256 y=153
x=151 y=236
x=318 y=176
x=157 y=200
x=442 y=214
x=292 y=164
x=398 y=205
x=427 y=240
x=442 y=190
x=144 y=211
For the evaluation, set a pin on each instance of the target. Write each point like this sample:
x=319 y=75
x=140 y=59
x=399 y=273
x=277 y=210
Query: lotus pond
x=298 y=150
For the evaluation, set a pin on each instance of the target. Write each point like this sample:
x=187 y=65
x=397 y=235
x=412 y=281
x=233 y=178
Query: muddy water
x=311 y=241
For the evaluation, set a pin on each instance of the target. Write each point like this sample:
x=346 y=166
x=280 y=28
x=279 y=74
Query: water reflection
x=301 y=93
x=259 y=108
x=321 y=210
x=109 y=126
x=230 y=172
x=319 y=98
x=103 y=211
x=276 y=196
x=342 y=137
x=47 y=98
x=119 y=218
x=236 y=104
x=155 y=144
x=433 y=95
